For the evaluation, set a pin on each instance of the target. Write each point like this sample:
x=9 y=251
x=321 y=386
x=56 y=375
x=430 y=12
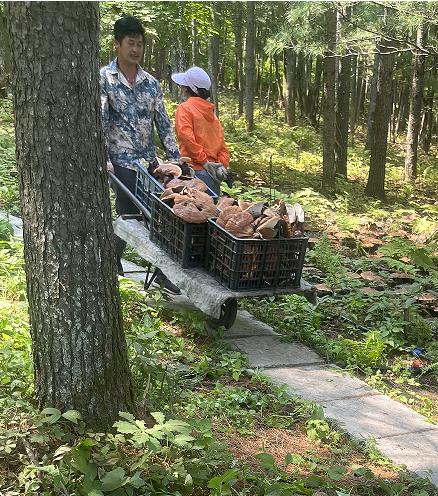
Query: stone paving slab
x=375 y=416
x=269 y=351
x=319 y=382
x=247 y=326
x=418 y=451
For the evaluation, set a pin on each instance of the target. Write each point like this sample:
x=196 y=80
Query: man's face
x=130 y=50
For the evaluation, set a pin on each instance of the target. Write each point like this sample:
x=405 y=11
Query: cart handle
x=118 y=184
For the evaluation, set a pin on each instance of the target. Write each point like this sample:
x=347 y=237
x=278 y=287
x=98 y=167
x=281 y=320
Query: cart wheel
x=227 y=317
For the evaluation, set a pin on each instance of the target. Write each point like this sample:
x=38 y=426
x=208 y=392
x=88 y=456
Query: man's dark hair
x=127 y=26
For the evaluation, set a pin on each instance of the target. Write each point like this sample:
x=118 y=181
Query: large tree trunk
x=376 y=178
x=415 y=108
x=290 y=76
x=328 y=104
x=79 y=349
x=213 y=57
x=250 y=66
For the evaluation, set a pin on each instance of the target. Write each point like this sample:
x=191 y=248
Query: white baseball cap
x=194 y=78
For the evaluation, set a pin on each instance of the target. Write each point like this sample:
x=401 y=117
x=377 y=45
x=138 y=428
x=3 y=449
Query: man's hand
x=109 y=167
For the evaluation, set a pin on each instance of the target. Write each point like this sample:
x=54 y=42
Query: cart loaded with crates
x=216 y=250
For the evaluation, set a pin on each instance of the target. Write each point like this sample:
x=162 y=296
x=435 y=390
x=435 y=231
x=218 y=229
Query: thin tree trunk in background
x=373 y=99
x=78 y=345
x=376 y=178
x=268 y=95
x=402 y=110
x=427 y=124
x=194 y=44
x=250 y=66
x=308 y=93
x=361 y=89
x=415 y=108
x=5 y=57
x=315 y=92
x=238 y=51
x=213 y=57
x=290 y=74
x=342 y=113
x=300 y=82
x=353 y=98
x=328 y=104
x=278 y=81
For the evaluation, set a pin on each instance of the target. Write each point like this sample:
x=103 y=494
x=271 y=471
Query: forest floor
x=242 y=435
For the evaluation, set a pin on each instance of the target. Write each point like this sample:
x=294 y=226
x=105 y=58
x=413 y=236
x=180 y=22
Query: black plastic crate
x=250 y=264
x=186 y=243
x=146 y=184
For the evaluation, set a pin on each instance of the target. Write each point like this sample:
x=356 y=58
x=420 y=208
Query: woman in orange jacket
x=199 y=132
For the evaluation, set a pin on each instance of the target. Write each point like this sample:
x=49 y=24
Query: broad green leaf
x=113 y=480
x=127 y=416
x=177 y=426
x=336 y=472
x=136 y=481
x=182 y=440
x=159 y=417
x=72 y=415
x=125 y=427
x=267 y=460
x=52 y=415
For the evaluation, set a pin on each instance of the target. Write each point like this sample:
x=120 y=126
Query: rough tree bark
x=328 y=104
x=415 y=107
x=79 y=349
x=250 y=66
x=376 y=178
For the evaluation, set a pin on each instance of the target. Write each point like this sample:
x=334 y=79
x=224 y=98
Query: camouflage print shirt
x=129 y=116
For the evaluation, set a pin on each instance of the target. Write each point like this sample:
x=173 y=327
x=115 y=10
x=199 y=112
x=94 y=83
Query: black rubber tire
x=227 y=317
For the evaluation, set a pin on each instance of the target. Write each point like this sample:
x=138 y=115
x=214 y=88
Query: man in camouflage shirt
x=132 y=106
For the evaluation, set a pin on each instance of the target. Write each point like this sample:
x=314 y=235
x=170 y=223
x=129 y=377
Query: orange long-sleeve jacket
x=200 y=134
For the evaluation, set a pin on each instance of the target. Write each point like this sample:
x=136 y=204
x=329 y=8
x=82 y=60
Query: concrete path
x=401 y=434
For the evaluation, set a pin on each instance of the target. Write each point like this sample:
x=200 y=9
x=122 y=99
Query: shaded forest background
x=361 y=71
